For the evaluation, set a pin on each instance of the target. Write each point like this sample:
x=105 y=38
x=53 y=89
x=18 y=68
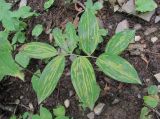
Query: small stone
x=150 y=30
x=17 y=101
x=148 y=80
x=157 y=76
x=90 y=115
x=137 y=38
x=137 y=26
x=154 y=39
x=66 y=103
x=99 y=108
x=21 y=97
x=157 y=19
x=71 y=93
x=115 y=101
x=122 y=26
x=23 y=3
x=116 y=8
x=31 y=106
x=159 y=88
x=139 y=96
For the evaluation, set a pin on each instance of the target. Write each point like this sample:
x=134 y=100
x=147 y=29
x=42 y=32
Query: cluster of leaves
x=58 y=112
x=12 y=20
x=82 y=73
x=150 y=101
x=145 y=5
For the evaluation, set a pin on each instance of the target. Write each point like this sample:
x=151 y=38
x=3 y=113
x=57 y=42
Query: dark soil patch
x=12 y=89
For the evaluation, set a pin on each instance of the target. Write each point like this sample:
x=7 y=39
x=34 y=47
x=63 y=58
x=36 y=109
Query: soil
x=13 y=90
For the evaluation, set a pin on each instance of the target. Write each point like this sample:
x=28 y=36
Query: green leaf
x=22 y=12
x=45 y=114
x=60 y=39
x=59 y=111
x=145 y=113
x=38 y=50
x=145 y=5
x=8 y=66
x=119 y=42
x=18 y=37
x=22 y=59
x=153 y=90
x=151 y=101
x=88 y=29
x=35 y=79
x=62 y=117
x=118 y=68
x=84 y=82
x=48 y=4
x=13 y=117
x=37 y=30
x=36 y=116
x=49 y=78
x=68 y=40
x=5 y=46
x=71 y=37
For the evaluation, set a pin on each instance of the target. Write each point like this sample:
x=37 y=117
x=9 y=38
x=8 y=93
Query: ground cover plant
x=77 y=40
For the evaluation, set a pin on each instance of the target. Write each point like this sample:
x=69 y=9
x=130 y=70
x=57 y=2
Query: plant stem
x=81 y=56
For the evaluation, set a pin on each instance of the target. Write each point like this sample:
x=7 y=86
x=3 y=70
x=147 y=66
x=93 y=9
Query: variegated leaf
x=120 y=42
x=49 y=78
x=68 y=40
x=84 y=81
x=88 y=29
x=118 y=68
x=38 y=50
x=71 y=37
x=60 y=39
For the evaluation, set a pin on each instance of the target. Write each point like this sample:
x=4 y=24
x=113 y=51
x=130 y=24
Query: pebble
x=91 y=115
x=139 y=96
x=66 y=103
x=31 y=106
x=157 y=76
x=116 y=8
x=71 y=93
x=157 y=19
x=115 y=101
x=23 y=3
x=122 y=26
x=137 y=38
x=154 y=39
x=99 y=108
x=159 y=88
x=137 y=26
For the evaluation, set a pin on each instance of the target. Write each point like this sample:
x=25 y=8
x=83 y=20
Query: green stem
x=81 y=56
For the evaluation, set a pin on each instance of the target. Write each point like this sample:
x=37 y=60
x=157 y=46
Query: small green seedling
x=86 y=38
x=37 y=30
x=151 y=102
x=59 y=112
x=145 y=5
x=48 y=4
